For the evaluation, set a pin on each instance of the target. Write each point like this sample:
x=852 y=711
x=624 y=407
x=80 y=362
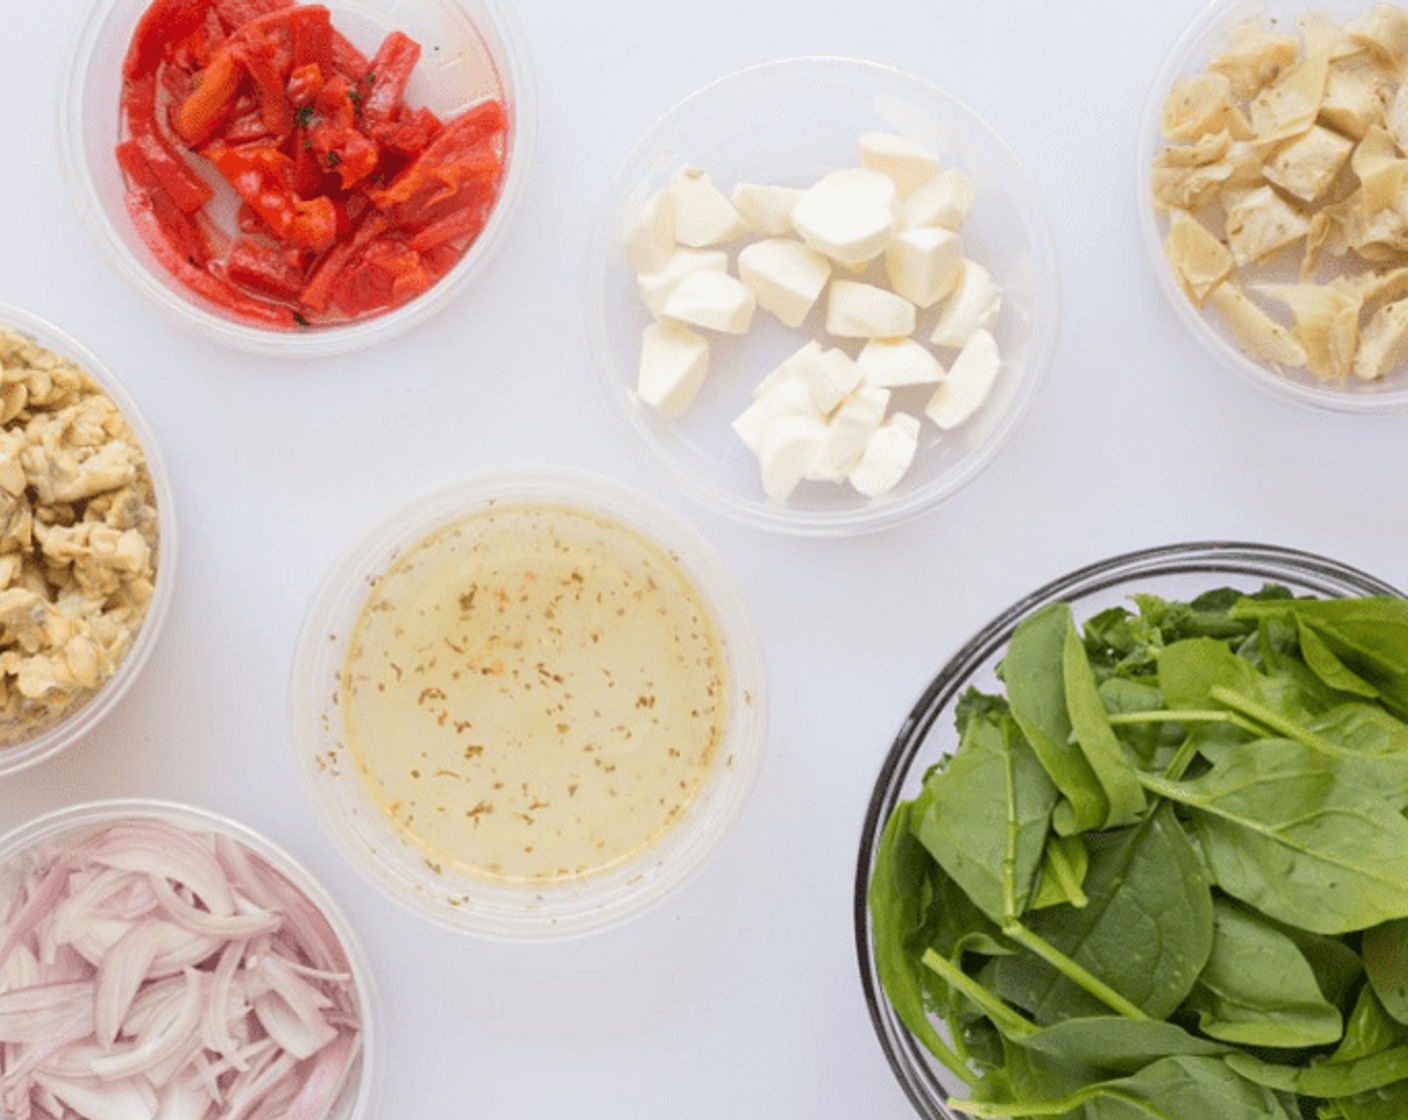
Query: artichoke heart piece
x=1357 y=98
x=1199 y=260
x=1289 y=106
x=1383 y=30
x=1378 y=162
x=1326 y=324
x=1254 y=330
x=1196 y=105
x=1254 y=57
x=1260 y=222
x=1383 y=343
x=1309 y=164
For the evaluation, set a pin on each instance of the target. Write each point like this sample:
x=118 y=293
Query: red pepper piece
x=266 y=56
x=211 y=102
x=406 y=135
x=387 y=75
x=317 y=295
x=466 y=149
x=163 y=23
x=460 y=227
x=236 y=13
x=142 y=212
x=266 y=269
x=334 y=135
x=159 y=159
x=262 y=174
x=312 y=38
x=385 y=274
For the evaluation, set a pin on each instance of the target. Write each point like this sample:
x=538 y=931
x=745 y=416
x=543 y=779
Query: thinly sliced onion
x=154 y=972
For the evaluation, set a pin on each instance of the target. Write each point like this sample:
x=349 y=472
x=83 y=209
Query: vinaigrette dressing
x=534 y=693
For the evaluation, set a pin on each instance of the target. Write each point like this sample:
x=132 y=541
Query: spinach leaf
x=1032 y=671
x=1386 y=963
x=1117 y=1044
x=1146 y=930
x=1369 y=1030
x=1257 y=989
x=1285 y=831
x=1090 y=725
x=1063 y=868
x=1328 y=1080
x=986 y=815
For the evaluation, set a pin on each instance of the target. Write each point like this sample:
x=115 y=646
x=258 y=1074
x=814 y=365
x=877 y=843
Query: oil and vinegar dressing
x=534 y=693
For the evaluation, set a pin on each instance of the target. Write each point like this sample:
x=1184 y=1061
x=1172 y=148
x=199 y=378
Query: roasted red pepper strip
x=262 y=175
x=264 y=268
x=389 y=71
x=466 y=147
x=160 y=160
x=199 y=280
x=210 y=104
x=163 y=23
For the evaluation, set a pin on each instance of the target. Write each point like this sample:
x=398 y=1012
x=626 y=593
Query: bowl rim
x=1215 y=16
x=906 y=1056
x=168 y=298
x=755 y=510
x=78 y=723
x=532 y=912
x=54 y=823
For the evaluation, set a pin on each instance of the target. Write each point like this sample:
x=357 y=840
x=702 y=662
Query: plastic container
x=22 y=746
x=787 y=123
x=34 y=844
x=1204 y=37
x=538 y=673
x=1178 y=571
x=471 y=49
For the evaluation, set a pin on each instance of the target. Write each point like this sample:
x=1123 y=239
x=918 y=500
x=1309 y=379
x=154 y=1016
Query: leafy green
x=1165 y=872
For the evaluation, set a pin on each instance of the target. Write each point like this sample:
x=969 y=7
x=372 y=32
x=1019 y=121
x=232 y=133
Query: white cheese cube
x=848 y=431
x=703 y=213
x=848 y=214
x=924 y=264
x=786 y=276
x=650 y=235
x=786 y=451
x=785 y=397
x=968 y=383
x=887 y=456
x=765 y=207
x=859 y=310
x=971 y=307
x=892 y=363
x=655 y=287
x=944 y=201
x=906 y=161
x=714 y=300
x=673 y=362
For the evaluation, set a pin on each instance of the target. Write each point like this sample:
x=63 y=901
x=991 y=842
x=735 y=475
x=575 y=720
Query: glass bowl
x=1206 y=36
x=497 y=701
x=471 y=50
x=927 y=734
x=787 y=123
x=27 y=736
x=133 y=835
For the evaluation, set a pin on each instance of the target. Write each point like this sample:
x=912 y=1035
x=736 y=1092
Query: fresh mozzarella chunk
x=650 y=237
x=787 y=397
x=909 y=163
x=924 y=264
x=655 y=287
x=786 y=451
x=971 y=307
x=944 y=201
x=714 y=300
x=847 y=432
x=892 y=363
x=673 y=362
x=827 y=374
x=786 y=276
x=968 y=383
x=858 y=310
x=887 y=456
x=765 y=207
x=848 y=214
x=703 y=214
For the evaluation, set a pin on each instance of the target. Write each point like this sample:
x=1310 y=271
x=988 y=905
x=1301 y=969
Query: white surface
x=739 y=996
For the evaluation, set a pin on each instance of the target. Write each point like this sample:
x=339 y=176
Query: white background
x=739 y=996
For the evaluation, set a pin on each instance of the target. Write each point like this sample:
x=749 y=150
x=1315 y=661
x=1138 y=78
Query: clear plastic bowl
x=927 y=734
x=413 y=867
x=31 y=844
x=1204 y=37
x=85 y=714
x=787 y=123
x=471 y=49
